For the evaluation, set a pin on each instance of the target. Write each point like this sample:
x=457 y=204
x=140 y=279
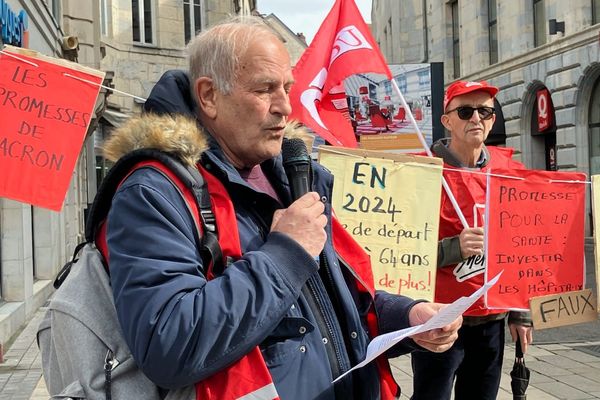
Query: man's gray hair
x=216 y=52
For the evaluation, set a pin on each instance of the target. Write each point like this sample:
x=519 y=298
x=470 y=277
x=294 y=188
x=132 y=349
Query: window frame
x=493 y=31
x=540 y=36
x=424 y=79
x=54 y=8
x=454 y=16
x=142 y=29
x=191 y=19
x=104 y=18
x=402 y=83
x=595 y=11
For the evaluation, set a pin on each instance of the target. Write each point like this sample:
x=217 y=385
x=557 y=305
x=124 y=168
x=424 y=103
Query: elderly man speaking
x=288 y=303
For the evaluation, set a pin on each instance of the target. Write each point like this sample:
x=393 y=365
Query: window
x=386 y=41
x=539 y=23
x=594 y=129
x=387 y=87
x=192 y=17
x=55 y=8
x=424 y=80
x=595 y=11
x=389 y=41
x=493 y=31
x=402 y=85
x=455 y=38
x=141 y=17
x=104 y=17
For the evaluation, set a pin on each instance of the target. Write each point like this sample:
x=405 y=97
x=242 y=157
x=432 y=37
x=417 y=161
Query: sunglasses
x=465 y=112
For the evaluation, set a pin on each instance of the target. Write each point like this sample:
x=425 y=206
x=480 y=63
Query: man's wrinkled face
x=250 y=120
x=472 y=132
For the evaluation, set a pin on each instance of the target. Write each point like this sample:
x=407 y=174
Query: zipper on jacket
x=110 y=363
x=323 y=313
x=327 y=278
x=314 y=291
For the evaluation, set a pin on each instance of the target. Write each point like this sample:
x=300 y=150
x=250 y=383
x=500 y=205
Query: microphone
x=296 y=163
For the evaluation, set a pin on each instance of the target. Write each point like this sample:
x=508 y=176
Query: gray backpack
x=84 y=354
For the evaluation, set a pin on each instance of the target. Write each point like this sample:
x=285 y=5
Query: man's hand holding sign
x=471 y=242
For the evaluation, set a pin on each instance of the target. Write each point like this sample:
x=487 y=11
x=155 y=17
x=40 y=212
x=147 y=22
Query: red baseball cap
x=459 y=88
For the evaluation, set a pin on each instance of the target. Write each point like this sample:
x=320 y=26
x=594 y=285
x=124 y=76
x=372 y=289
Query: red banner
x=44 y=115
x=535 y=234
x=343 y=46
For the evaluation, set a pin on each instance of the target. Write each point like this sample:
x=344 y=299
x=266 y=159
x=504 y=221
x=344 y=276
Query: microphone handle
x=299 y=178
x=300 y=181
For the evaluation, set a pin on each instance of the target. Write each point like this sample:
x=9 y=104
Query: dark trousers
x=475 y=360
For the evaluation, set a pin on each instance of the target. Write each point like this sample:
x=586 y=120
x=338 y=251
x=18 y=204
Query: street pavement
x=566 y=370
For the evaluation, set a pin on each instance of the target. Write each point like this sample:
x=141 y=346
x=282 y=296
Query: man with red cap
x=475 y=359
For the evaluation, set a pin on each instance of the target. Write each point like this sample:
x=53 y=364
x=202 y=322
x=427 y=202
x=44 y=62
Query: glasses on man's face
x=465 y=112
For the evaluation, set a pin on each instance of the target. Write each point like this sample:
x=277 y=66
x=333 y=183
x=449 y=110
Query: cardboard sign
x=563 y=309
x=390 y=204
x=401 y=143
x=596 y=217
x=44 y=116
x=535 y=233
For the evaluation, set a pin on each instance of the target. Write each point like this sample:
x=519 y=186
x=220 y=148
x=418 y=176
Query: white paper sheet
x=384 y=342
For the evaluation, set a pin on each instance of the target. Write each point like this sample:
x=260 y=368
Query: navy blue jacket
x=182 y=328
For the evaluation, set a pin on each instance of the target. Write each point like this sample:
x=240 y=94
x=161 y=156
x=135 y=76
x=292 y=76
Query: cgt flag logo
x=347 y=39
x=343 y=46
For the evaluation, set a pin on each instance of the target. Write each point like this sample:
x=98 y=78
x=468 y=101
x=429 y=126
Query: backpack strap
x=64 y=271
x=206 y=235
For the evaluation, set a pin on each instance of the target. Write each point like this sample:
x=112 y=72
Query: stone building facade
x=141 y=40
x=543 y=54
x=35 y=242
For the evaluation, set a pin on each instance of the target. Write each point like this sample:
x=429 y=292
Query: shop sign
x=544 y=110
x=13 y=27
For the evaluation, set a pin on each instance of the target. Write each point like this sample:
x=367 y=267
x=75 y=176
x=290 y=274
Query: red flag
x=343 y=46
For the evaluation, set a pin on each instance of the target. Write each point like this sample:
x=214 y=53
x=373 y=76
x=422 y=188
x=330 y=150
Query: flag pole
x=428 y=151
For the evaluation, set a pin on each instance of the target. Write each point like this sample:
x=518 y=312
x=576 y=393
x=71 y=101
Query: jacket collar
x=177 y=134
x=440 y=149
x=215 y=161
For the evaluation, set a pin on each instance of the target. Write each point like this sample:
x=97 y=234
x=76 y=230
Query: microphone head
x=293 y=151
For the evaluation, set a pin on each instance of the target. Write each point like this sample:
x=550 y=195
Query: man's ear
x=446 y=121
x=206 y=93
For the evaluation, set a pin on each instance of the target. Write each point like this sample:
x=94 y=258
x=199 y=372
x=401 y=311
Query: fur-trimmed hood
x=177 y=134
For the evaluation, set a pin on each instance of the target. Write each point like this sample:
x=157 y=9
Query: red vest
x=463 y=279
x=249 y=377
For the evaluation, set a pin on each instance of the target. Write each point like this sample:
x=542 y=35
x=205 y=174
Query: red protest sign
x=535 y=234
x=45 y=112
